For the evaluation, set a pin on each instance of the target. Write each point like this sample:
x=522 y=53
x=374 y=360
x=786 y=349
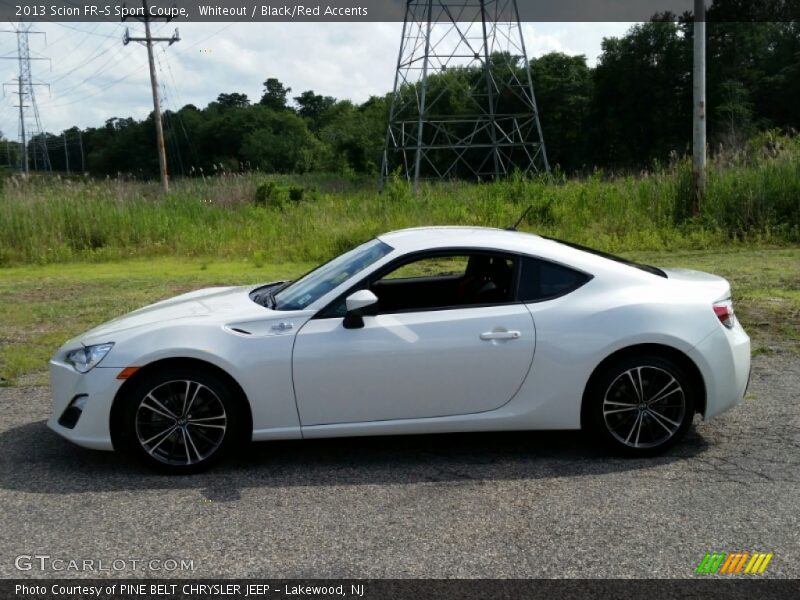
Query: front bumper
x=724 y=361
x=100 y=386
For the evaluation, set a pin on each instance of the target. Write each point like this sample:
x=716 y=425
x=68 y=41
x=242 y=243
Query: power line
x=92 y=32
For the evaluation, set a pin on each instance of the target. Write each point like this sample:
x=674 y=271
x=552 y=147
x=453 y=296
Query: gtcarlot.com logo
x=45 y=562
x=734 y=563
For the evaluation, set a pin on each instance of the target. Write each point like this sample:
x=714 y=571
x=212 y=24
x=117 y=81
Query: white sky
x=94 y=77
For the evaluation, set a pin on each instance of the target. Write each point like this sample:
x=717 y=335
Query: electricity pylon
x=463 y=104
x=25 y=93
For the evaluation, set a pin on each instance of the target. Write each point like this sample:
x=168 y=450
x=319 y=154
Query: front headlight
x=87 y=358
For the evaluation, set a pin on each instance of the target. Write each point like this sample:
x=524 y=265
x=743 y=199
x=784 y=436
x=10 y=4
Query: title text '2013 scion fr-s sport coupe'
x=441 y=329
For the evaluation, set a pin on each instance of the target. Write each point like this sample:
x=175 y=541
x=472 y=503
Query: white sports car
x=439 y=329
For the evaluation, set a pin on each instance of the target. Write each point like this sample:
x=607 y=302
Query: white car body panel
x=411 y=365
x=418 y=372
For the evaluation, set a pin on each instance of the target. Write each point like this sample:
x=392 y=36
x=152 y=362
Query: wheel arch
x=662 y=350
x=116 y=407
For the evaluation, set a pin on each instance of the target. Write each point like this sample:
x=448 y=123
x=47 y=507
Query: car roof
x=519 y=242
x=425 y=238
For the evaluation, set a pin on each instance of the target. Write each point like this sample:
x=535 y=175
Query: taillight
x=724 y=312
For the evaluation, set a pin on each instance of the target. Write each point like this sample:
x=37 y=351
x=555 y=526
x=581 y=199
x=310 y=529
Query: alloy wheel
x=644 y=407
x=181 y=422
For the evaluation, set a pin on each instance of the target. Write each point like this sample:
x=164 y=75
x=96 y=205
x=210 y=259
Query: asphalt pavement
x=486 y=505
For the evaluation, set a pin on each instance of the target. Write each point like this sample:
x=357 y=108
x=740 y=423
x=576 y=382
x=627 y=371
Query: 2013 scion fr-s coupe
x=440 y=329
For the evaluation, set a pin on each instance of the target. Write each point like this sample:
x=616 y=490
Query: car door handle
x=501 y=335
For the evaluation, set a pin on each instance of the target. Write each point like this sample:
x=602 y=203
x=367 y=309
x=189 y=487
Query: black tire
x=180 y=420
x=640 y=405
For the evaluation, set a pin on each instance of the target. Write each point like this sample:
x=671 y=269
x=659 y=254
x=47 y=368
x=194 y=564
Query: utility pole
x=22 y=127
x=66 y=152
x=80 y=143
x=699 y=94
x=148 y=42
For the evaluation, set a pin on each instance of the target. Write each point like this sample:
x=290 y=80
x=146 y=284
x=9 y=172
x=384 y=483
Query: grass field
x=750 y=200
x=43 y=306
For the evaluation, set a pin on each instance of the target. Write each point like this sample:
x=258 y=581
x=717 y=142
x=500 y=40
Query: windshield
x=329 y=276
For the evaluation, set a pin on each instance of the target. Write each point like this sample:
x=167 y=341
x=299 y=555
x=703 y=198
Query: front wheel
x=180 y=420
x=641 y=405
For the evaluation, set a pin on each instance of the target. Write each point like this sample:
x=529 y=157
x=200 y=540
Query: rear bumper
x=99 y=386
x=724 y=361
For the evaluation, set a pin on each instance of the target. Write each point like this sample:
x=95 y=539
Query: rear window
x=619 y=259
x=543 y=280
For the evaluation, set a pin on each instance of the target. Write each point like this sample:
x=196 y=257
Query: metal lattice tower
x=25 y=85
x=463 y=104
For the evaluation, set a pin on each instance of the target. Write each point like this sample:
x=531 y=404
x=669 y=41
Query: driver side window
x=442 y=281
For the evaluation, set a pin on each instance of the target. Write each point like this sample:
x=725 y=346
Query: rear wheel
x=180 y=420
x=641 y=405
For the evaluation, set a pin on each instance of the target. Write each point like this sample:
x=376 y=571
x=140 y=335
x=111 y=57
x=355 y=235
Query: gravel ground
x=508 y=505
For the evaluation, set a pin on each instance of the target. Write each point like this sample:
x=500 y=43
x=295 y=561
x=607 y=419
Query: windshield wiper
x=268 y=300
x=269 y=297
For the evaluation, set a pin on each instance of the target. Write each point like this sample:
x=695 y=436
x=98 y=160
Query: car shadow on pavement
x=35 y=460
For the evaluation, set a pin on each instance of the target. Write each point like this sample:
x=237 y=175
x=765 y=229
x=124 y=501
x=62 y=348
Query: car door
x=446 y=356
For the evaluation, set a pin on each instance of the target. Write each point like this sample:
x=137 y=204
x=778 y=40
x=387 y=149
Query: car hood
x=210 y=303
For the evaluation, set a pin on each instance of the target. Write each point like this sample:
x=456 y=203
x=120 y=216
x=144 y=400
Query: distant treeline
x=630 y=111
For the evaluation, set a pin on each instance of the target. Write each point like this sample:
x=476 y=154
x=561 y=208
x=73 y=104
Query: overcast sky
x=93 y=77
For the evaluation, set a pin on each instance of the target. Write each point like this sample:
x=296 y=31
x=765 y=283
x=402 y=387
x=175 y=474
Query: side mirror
x=357 y=304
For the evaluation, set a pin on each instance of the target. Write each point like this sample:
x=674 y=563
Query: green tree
x=563 y=88
x=233 y=100
x=313 y=106
x=642 y=104
x=282 y=144
x=275 y=94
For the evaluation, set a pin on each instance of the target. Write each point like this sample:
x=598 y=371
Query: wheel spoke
x=659 y=415
x=639 y=430
x=641 y=385
x=633 y=428
x=657 y=396
x=657 y=420
x=186 y=446
x=206 y=425
x=615 y=403
x=161 y=406
x=186 y=398
x=158 y=412
x=635 y=388
x=194 y=446
x=191 y=402
x=161 y=441
x=167 y=431
x=619 y=410
x=207 y=419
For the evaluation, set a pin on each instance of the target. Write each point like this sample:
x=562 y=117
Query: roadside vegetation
x=752 y=198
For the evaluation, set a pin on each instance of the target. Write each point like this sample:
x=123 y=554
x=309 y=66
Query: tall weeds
x=754 y=197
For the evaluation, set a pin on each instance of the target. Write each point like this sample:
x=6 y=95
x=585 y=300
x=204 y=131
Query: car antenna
x=522 y=218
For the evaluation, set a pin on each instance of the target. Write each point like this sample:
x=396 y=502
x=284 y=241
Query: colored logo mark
x=725 y=563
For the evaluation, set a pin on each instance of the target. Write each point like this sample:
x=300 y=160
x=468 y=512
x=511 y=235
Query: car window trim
x=421 y=255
